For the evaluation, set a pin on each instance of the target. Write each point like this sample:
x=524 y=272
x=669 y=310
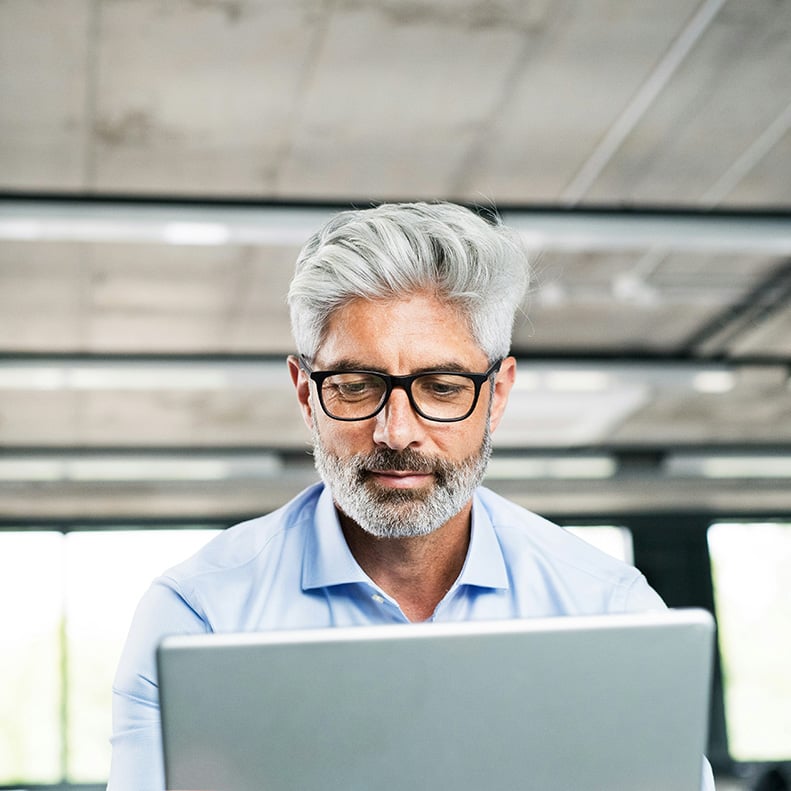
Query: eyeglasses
x=443 y=396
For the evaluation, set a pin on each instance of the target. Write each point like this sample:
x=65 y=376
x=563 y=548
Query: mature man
x=402 y=317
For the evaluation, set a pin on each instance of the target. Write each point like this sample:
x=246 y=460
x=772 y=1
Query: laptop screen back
x=605 y=702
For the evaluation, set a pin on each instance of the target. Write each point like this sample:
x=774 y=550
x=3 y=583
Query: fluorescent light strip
x=132 y=375
x=609 y=232
x=85 y=467
x=292 y=225
x=181 y=374
x=728 y=466
x=568 y=467
x=171 y=224
x=64 y=467
x=561 y=377
x=713 y=381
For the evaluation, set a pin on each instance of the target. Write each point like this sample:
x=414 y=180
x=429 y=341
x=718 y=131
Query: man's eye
x=443 y=387
x=353 y=389
x=439 y=388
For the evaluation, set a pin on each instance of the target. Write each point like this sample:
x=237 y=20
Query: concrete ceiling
x=655 y=353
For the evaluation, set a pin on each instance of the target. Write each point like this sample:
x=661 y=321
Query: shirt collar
x=328 y=560
x=485 y=565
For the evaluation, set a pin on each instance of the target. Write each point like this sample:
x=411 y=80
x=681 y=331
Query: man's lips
x=400 y=479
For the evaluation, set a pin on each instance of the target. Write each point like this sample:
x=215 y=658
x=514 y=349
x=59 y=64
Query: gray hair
x=398 y=249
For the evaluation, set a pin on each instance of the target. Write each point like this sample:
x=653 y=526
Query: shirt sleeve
x=641 y=597
x=136 y=741
x=707 y=783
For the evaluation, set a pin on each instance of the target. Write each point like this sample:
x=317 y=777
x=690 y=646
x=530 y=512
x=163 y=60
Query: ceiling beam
x=28 y=217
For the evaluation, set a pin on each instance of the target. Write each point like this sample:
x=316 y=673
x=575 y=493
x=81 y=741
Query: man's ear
x=302 y=386
x=501 y=389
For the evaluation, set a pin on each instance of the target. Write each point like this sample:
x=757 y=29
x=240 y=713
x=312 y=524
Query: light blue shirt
x=293 y=568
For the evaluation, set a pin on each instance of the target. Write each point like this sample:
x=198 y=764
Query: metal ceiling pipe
x=190 y=222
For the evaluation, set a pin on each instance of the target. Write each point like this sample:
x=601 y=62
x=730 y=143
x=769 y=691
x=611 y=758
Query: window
x=615 y=541
x=751 y=568
x=72 y=598
x=31 y=715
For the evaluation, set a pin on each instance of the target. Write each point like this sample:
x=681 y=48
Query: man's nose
x=398 y=426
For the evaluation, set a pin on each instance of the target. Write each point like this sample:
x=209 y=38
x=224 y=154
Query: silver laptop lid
x=600 y=702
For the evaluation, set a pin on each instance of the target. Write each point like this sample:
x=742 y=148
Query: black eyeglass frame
x=403 y=382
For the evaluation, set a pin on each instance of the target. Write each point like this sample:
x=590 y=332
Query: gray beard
x=400 y=513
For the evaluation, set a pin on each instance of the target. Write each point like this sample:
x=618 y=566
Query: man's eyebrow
x=349 y=364
x=354 y=364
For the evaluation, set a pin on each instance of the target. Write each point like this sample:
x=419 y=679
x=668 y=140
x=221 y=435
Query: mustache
x=401 y=460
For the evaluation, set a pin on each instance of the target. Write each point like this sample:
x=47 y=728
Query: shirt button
x=378 y=599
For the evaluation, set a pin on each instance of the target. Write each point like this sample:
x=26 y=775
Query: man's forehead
x=400 y=335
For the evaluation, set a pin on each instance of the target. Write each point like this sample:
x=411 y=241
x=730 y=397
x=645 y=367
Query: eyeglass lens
x=352 y=395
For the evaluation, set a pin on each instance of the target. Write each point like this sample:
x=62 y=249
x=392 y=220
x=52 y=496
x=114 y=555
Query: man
x=402 y=317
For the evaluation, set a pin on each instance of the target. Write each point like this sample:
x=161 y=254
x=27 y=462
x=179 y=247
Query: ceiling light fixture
x=728 y=465
x=551 y=467
x=713 y=381
x=140 y=467
x=190 y=223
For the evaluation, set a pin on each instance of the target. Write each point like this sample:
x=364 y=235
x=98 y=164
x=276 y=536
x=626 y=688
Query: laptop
x=615 y=702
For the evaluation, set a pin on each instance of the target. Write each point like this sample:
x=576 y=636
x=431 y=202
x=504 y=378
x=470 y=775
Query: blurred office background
x=161 y=161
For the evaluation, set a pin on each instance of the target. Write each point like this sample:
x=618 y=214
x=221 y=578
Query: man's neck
x=417 y=572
